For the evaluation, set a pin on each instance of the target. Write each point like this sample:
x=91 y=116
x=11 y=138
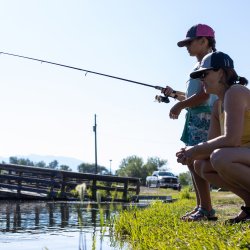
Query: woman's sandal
x=187 y=214
x=202 y=214
x=240 y=219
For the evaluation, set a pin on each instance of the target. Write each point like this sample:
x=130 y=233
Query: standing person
x=199 y=41
x=225 y=160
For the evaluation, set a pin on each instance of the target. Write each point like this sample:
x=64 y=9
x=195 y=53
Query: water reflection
x=48 y=218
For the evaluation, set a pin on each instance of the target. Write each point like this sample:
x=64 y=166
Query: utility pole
x=95 y=131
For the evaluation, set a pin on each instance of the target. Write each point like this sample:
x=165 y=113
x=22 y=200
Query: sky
x=49 y=110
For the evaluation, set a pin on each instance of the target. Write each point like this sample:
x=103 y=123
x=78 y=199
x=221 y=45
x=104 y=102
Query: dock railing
x=25 y=182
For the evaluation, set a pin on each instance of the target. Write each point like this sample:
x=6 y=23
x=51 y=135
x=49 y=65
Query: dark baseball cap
x=198 y=30
x=214 y=60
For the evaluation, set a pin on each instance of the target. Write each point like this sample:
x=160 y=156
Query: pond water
x=56 y=226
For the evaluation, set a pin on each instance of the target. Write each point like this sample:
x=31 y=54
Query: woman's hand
x=184 y=156
x=181 y=156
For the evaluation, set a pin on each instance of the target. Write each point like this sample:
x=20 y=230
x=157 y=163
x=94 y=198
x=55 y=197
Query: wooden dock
x=33 y=183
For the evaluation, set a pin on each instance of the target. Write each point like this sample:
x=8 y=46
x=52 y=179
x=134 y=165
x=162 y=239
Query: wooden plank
x=86 y=176
x=8 y=194
x=24 y=188
x=28 y=180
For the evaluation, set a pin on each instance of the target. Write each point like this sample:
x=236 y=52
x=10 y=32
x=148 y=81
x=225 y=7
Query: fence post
x=94 y=189
x=125 y=191
x=9 y=181
x=51 y=188
x=19 y=184
x=62 y=190
x=138 y=184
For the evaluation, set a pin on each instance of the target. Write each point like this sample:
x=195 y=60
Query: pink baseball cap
x=198 y=30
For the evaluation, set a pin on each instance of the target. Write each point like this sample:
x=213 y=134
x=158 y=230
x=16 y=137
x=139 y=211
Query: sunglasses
x=206 y=73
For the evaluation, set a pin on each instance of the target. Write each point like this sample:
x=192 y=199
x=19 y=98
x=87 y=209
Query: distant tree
x=30 y=163
x=133 y=166
x=13 y=160
x=185 y=178
x=155 y=163
x=20 y=161
x=25 y=162
x=40 y=164
x=86 y=168
x=65 y=168
x=54 y=164
x=90 y=168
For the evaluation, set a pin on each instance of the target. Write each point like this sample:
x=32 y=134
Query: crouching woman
x=225 y=159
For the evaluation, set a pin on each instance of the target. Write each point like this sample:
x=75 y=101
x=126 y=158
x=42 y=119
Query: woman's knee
x=203 y=167
x=219 y=159
x=198 y=167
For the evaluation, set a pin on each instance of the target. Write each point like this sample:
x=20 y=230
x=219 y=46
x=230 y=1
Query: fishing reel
x=159 y=98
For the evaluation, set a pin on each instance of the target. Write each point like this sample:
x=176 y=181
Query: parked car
x=163 y=179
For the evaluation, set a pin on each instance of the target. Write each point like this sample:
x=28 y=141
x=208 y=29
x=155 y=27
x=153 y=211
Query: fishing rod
x=157 y=97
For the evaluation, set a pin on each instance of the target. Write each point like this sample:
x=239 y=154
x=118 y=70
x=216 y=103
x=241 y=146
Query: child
x=200 y=41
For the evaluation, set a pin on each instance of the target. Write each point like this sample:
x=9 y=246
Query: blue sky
x=49 y=110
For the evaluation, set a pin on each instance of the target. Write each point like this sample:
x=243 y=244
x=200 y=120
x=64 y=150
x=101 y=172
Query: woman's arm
x=214 y=131
x=214 y=127
x=235 y=106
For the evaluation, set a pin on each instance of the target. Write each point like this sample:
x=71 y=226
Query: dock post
x=125 y=191
x=94 y=190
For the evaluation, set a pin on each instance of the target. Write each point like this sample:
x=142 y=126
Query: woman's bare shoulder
x=238 y=93
x=237 y=88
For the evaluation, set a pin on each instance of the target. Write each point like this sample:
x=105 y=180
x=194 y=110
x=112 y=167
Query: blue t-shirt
x=194 y=86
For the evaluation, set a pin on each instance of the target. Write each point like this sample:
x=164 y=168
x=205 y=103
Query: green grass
x=159 y=227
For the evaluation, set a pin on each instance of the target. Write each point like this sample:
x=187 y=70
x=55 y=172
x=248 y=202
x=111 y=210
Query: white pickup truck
x=163 y=179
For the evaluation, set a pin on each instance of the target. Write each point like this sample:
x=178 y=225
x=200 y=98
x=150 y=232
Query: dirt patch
x=157 y=191
x=147 y=190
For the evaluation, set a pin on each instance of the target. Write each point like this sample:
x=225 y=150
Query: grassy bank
x=159 y=227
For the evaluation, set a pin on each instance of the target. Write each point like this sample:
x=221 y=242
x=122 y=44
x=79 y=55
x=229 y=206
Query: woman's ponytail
x=242 y=80
x=232 y=78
